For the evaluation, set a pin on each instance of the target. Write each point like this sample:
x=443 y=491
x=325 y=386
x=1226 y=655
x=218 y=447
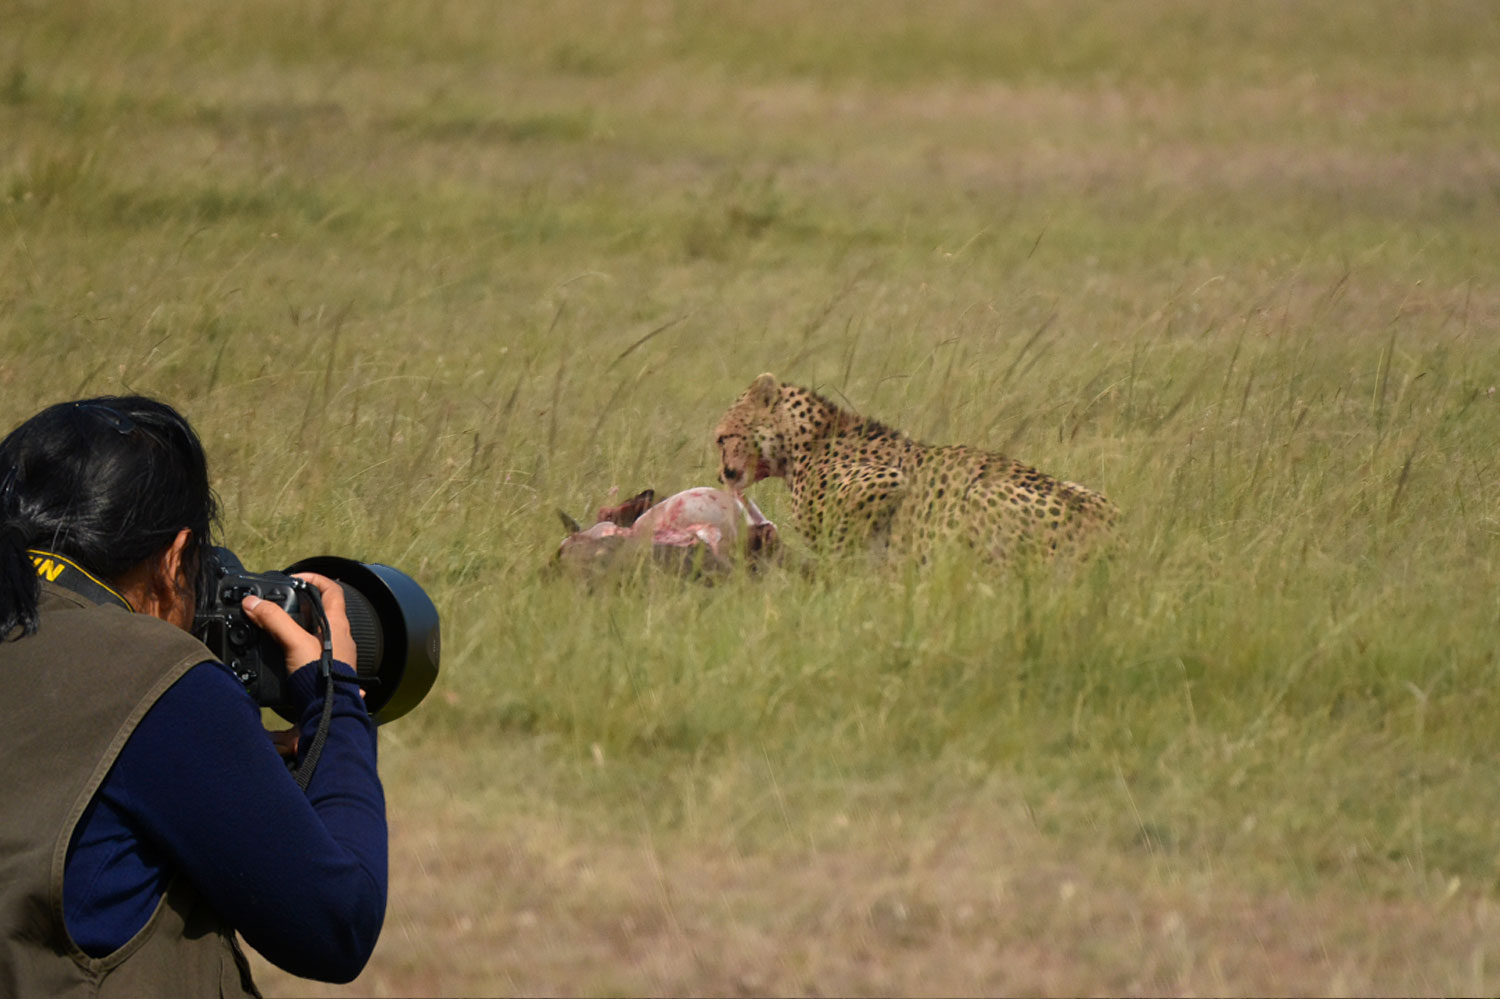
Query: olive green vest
x=70 y=695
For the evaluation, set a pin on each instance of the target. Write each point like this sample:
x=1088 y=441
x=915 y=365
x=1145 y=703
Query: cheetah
x=856 y=482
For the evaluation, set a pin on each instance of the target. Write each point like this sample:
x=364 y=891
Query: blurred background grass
x=422 y=274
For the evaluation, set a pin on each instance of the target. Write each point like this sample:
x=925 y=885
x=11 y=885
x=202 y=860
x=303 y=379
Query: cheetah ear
x=764 y=391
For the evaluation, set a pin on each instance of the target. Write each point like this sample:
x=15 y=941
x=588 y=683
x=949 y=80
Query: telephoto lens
x=395 y=627
x=393 y=622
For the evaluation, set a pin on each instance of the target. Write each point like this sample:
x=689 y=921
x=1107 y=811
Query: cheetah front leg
x=853 y=513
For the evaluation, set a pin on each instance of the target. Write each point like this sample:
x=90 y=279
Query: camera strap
x=71 y=576
x=303 y=774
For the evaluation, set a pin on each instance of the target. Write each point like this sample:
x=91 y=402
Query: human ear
x=172 y=584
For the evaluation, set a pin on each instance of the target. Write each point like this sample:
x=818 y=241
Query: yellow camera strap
x=71 y=576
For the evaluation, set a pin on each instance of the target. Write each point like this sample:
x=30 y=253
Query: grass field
x=423 y=273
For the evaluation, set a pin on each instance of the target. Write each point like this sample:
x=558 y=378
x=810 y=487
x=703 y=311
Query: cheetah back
x=994 y=504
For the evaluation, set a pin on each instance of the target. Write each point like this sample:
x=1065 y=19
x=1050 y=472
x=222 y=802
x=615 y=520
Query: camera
x=394 y=623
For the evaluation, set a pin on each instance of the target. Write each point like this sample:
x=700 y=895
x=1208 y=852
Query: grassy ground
x=424 y=273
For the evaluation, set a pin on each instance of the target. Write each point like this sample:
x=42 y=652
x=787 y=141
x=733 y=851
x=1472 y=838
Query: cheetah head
x=749 y=443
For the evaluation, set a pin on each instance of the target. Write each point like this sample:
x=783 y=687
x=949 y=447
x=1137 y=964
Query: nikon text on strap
x=71 y=576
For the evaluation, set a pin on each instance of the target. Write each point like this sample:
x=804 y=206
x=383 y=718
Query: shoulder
x=163 y=635
x=71 y=617
x=167 y=647
x=127 y=660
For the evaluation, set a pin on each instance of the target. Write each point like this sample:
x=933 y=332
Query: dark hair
x=105 y=482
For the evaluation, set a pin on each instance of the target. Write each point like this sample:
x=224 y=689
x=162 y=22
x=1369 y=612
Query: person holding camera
x=147 y=815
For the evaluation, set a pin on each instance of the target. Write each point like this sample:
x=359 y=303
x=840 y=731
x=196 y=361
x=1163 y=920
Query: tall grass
x=423 y=274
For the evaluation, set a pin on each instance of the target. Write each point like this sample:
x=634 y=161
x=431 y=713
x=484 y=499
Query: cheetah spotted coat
x=857 y=482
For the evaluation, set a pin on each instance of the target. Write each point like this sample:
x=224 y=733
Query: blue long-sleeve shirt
x=199 y=790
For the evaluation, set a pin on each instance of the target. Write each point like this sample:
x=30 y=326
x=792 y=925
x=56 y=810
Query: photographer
x=147 y=815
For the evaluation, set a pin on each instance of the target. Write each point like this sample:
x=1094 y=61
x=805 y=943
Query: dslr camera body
x=393 y=621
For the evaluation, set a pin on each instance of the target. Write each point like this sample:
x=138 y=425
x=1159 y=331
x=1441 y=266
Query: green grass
x=422 y=274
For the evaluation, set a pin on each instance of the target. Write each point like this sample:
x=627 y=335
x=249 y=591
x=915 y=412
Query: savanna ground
x=423 y=273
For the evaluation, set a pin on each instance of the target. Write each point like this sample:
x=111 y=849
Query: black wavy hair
x=106 y=482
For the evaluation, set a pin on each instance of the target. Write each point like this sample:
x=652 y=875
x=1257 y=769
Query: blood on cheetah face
x=748 y=441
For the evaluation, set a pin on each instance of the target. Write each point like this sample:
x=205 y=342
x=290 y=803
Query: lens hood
x=396 y=636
